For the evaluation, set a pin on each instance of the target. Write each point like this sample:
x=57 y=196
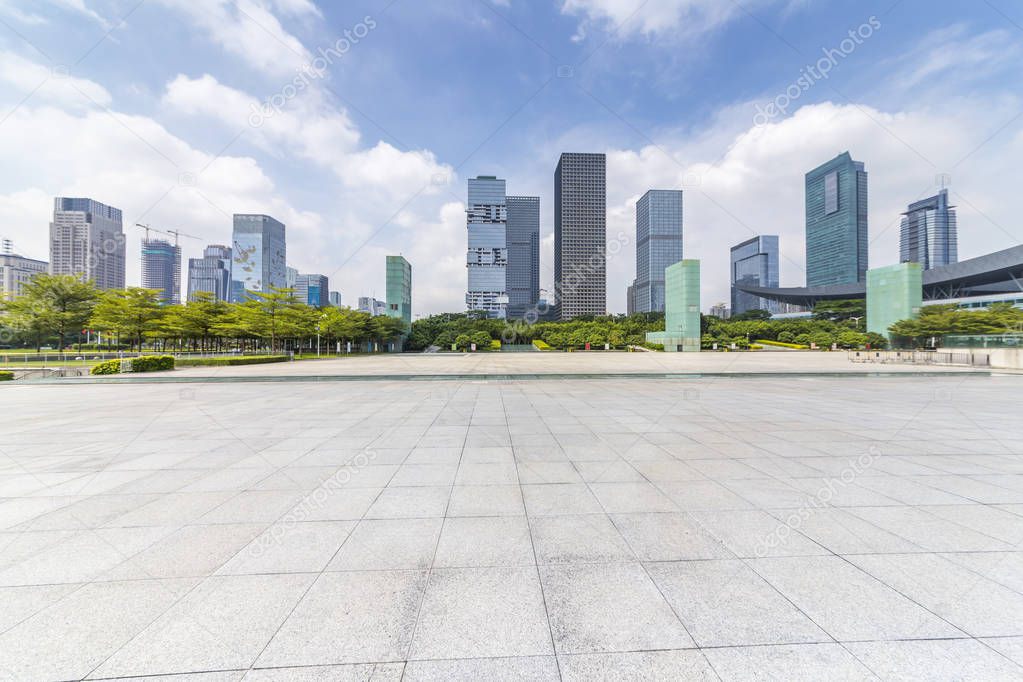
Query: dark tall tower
x=580 y=235
x=836 y=222
x=522 y=275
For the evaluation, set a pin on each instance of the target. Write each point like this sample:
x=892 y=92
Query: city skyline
x=340 y=193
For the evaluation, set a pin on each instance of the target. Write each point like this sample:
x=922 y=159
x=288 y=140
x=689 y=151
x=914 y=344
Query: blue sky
x=149 y=106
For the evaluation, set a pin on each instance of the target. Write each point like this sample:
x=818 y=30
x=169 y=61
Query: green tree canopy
x=59 y=305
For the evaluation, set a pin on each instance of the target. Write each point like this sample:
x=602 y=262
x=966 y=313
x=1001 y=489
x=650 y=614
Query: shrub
x=540 y=345
x=152 y=363
x=6 y=376
x=786 y=337
x=755 y=346
x=495 y=344
x=106 y=367
x=231 y=361
x=146 y=363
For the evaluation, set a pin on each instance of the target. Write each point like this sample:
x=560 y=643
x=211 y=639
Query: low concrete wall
x=1005 y=358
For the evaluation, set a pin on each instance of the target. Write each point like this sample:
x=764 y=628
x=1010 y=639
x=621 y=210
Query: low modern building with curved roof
x=986 y=278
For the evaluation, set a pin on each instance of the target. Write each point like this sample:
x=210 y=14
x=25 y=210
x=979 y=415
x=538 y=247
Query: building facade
x=16 y=271
x=486 y=258
x=681 y=310
x=161 y=269
x=211 y=273
x=522 y=275
x=374 y=307
x=87 y=241
x=312 y=290
x=334 y=297
x=260 y=254
x=836 y=222
x=754 y=263
x=929 y=234
x=580 y=238
x=399 y=289
x=658 y=246
x=721 y=310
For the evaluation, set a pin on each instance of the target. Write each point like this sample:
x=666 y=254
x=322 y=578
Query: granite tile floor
x=715 y=529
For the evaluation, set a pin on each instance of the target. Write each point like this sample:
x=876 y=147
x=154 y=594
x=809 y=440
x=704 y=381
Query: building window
x=831 y=192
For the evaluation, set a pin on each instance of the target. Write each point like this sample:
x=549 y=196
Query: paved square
x=624 y=528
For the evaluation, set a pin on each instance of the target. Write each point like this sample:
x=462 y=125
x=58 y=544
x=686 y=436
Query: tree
x=346 y=324
x=482 y=340
x=754 y=314
x=841 y=310
x=385 y=327
x=267 y=315
x=52 y=304
x=198 y=318
x=133 y=312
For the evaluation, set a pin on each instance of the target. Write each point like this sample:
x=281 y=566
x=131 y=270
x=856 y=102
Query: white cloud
x=953 y=55
x=250 y=31
x=684 y=18
x=49 y=84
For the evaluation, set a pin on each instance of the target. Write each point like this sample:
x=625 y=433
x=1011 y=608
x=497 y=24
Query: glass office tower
x=486 y=259
x=211 y=273
x=312 y=290
x=754 y=263
x=580 y=235
x=399 y=289
x=260 y=255
x=929 y=234
x=836 y=222
x=658 y=246
x=522 y=274
x=161 y=269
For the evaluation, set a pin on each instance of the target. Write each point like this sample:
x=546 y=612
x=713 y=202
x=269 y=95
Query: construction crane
x=178 y=233
x=175 y=233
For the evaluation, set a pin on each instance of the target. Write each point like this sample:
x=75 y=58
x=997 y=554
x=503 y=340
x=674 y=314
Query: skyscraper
x=312 y=290
x=399 y=289
x=260 y=254
x=580 y=240
x=211 y=273
x=373 y=306
x=929 y=234
x=486 y=223
x=335 y=298
x=87 y=241
x=754 y=263
x=658 y=245
x=16 y=271
x=161 y=269
x=836 y=222
x=522 y=276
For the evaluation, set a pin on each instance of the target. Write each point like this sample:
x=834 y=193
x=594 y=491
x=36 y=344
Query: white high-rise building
x=487 y=254
x=16 y=271
x=87 y=241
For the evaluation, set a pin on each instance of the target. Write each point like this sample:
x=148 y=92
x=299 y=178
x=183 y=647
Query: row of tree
x=833 y=322
x=62 y=308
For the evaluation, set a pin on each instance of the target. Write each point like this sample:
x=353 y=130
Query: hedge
x=541 y=345
x=764 y=342
x=6 y=376
x=231 y=361
x=495 y=344
x=146 y=363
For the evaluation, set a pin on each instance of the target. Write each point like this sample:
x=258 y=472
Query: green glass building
x=836 y=222
x=893 y=293
x=399 y=289
x=681 y=308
